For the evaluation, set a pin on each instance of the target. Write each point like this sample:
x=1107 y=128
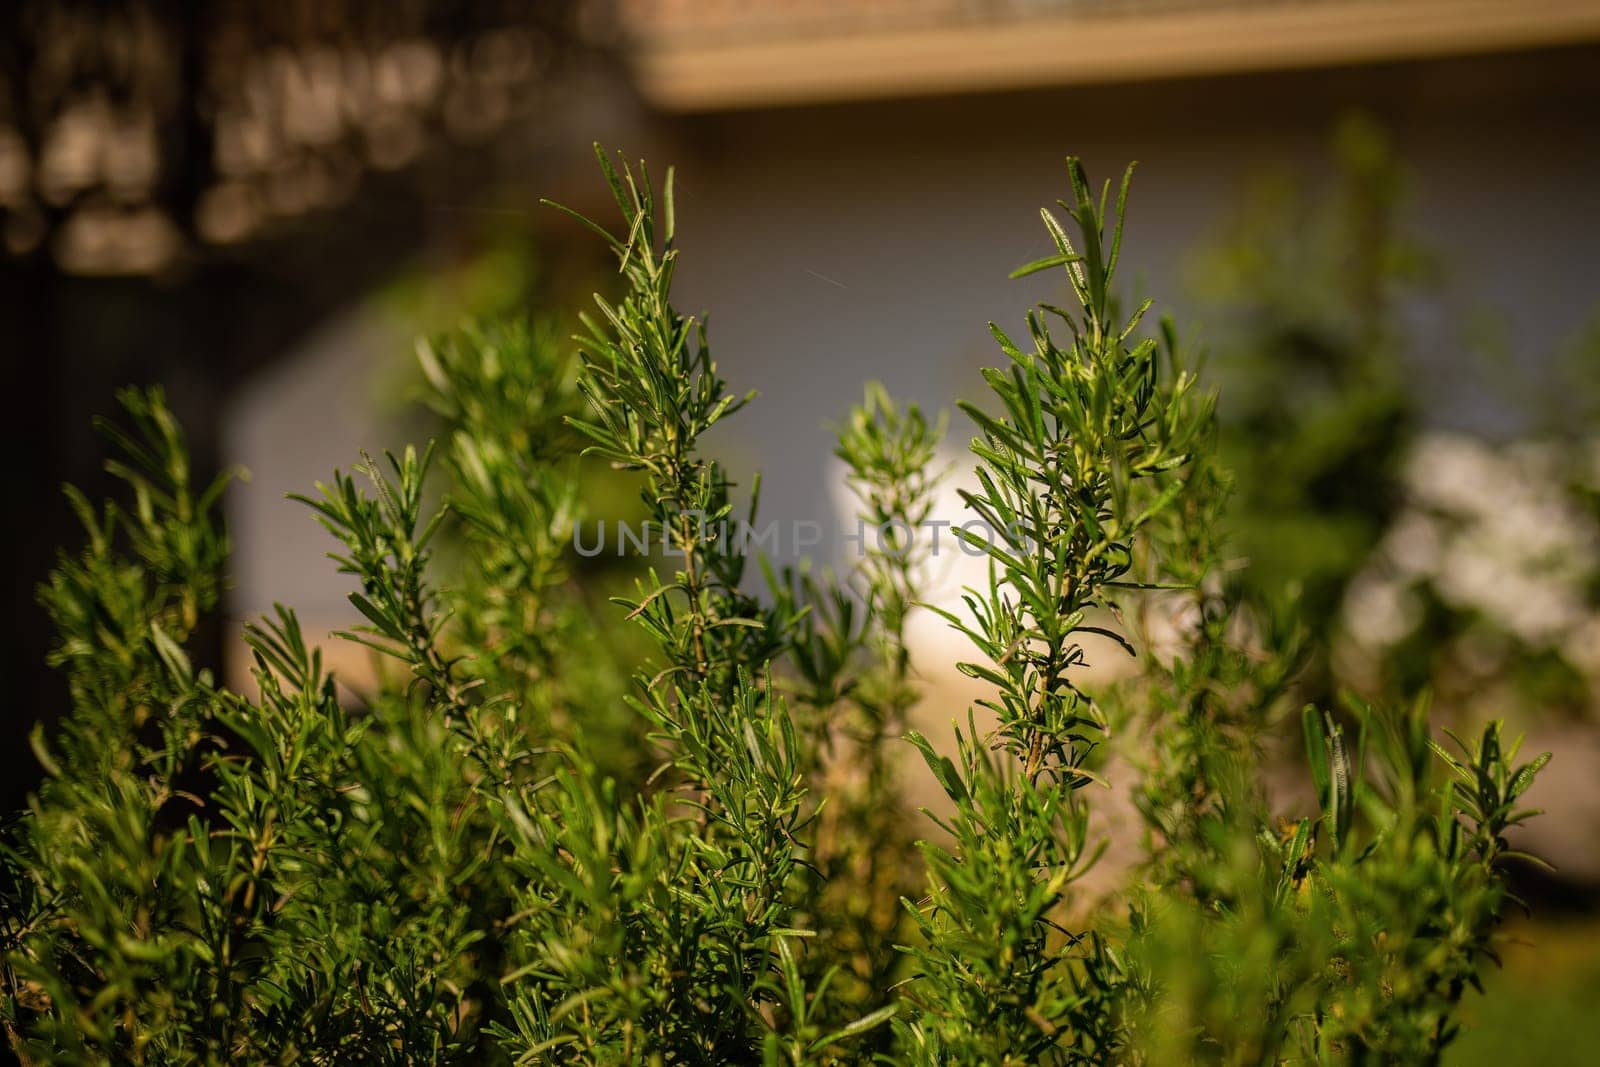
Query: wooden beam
x=1063 y=50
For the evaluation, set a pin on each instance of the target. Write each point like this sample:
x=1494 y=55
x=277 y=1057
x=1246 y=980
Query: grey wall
x=840 y=243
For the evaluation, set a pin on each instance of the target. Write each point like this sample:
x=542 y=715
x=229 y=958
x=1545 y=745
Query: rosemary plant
x=865 y=835
x=521 y=847
x=1083 y=421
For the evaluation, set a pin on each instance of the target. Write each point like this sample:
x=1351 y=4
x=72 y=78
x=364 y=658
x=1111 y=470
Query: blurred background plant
x=1304 y=298
x=1425 y=558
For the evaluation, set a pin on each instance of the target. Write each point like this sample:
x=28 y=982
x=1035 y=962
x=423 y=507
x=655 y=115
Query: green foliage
x=511 y=851
x=864 y=835
x=1084 y=424
x=517 y=602
x=1305 y=295
x=1313 y=295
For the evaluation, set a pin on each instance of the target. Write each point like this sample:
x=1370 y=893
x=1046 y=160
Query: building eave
x=680 y=75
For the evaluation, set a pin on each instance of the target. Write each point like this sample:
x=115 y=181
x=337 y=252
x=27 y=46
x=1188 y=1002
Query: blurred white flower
x=1379 y=611
x=1492 y=530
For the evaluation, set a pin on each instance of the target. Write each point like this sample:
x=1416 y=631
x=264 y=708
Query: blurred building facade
x=856 y=181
